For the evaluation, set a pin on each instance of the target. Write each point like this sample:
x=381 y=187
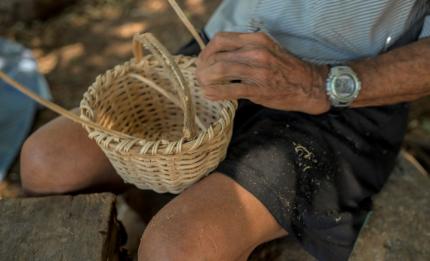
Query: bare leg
x=216 y=219
x=60 y=158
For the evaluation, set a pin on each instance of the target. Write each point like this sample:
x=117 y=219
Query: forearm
x=400 y=75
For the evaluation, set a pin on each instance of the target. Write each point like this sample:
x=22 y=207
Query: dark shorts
x=315 y=174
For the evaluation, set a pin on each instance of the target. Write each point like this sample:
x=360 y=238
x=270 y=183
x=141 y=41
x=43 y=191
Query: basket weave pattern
x=171 y=139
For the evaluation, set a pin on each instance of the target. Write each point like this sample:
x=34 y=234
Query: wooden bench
x=82 y=227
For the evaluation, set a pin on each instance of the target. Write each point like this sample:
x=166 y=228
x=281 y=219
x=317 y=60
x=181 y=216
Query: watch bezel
x=335 y=73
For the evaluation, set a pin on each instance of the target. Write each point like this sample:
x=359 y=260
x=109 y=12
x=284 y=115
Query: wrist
x=319 y=74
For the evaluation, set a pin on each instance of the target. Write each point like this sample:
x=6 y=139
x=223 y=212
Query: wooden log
x=398 y=227
x=80 y=227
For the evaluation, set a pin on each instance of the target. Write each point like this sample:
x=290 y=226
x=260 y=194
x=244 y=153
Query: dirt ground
x=80 y=42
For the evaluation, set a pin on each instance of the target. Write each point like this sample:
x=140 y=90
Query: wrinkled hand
x=252 y=66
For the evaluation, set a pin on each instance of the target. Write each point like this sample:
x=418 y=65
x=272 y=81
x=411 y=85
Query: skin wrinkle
x=312 y=89
x=213 y=242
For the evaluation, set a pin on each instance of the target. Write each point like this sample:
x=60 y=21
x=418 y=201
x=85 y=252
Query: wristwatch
x=343 y=86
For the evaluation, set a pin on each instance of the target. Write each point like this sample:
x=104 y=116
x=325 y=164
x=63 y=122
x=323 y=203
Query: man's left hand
x=252 y=66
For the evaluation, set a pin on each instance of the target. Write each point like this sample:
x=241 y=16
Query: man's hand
x=252 y=66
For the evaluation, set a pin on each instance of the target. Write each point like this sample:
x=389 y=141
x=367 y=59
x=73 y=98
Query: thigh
x=59 y=157
x=215 y=219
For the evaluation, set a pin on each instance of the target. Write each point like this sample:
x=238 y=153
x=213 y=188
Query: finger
x=221 y=42
x=226 y=41
x=225 y=72
x=258 y=38
x=232 y=91
x=256 y=56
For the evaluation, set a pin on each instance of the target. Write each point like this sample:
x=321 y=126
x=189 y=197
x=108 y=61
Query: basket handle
x=148 y=41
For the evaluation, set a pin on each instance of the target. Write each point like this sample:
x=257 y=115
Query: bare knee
x=59 y=158
x=169 y=238
x=40 y=167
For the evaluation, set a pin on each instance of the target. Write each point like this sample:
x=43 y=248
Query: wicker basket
x=150 y=118
x=156 y=101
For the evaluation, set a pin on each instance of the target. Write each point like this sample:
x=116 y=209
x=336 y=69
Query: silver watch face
x=344 y=86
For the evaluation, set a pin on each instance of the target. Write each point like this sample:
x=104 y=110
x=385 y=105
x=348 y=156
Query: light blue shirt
x=323 y=31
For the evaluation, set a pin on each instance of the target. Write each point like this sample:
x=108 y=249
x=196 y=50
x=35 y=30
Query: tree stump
x=78 y=228
x=397 y=228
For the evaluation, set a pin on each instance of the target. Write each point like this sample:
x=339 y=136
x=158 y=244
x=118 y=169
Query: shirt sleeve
x=425 y=32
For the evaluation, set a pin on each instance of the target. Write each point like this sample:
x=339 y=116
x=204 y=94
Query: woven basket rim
x=142 y=146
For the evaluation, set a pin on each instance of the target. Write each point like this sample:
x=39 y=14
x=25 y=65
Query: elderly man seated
x=324 y=88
